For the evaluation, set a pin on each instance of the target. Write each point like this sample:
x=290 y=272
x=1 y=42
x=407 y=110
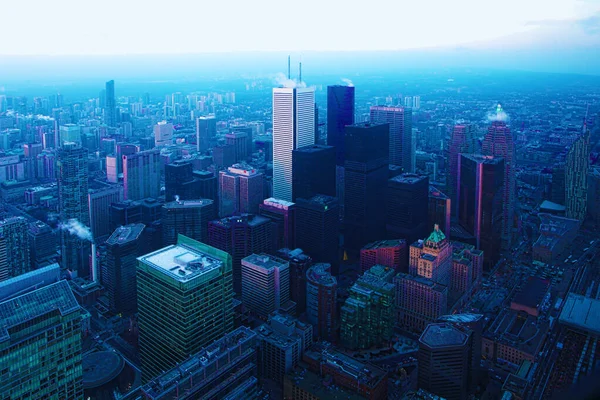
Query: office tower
x=240 y=236
x=249 y=131
x=299 y=265
x=223 y=156
x=440 y=208
x=408 y=101
x=593 y=195
x=41 y=340
x=123 y=248
x=206 y=131
x=318 y=229
x=163 y=134
x=400 y=121
x=72 y=179
x=225 y=369
x=283 y=219
x=14 y=231
x=321 y=301
x=293 y=127
x=313 y=170
x=465 y=280
x=576 y=177
x=407 y=207
x=559 y=189
x=42 y=244
x=391 y=253
x=281 y=344
x=432 y=258
x=498 y=143
x=110 y=108
x=316 y=123
x=365 y=175
x=99 y=201
x=417 y=102
x=176 y=320
x=444 y=361
x=419 y=301
x=368 y=313
x=112 y=169
x=141 y=175
x=340 y=113
x=480 y=197
x=462 y=140
x=180 y=181
x=4 y=268
x=265 y=283
x=239 y=141
x=186 y=217
x=242 y=190
x=70 y=133
x=124 y=213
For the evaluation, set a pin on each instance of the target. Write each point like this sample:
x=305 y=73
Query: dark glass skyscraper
x=283 y=220
x=340 y=112
x=206 y=130
x=366 y=172
x=180 y=181
x=313 y=171
x=110 y=109
x=407 y=207
x=186 y=217
x=400 y=120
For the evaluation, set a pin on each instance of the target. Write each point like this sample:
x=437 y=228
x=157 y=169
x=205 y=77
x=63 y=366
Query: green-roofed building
x=40 y=344
x=185 y=294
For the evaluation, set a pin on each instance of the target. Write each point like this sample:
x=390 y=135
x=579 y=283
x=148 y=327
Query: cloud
x=347 y=82
x=78 y=229
x=498 y=115
x=282 y=80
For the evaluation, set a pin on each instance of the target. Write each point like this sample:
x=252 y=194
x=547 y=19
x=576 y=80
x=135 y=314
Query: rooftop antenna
x=289 y=68
x=300 y=72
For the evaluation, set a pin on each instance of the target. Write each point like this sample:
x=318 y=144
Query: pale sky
x=115 y=27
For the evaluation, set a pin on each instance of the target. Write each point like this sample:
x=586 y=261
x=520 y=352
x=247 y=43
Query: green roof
x=437 y=235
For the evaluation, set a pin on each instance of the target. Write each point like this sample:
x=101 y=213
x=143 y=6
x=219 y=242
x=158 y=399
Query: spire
x=437 y=235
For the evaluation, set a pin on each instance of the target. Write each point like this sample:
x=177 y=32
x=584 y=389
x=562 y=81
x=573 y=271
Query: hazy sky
x=57 y=27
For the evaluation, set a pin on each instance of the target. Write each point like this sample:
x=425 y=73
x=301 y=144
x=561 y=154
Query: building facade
x=401 y=143
x=321 y=301
x=141 y=175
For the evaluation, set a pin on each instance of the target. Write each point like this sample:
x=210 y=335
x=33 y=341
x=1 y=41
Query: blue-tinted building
x=340 y=112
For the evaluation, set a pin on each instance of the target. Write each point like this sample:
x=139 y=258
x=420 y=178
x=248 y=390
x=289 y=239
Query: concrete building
x=390 y=253
x=141 y=175
x=186 y=217
x=321 y=301
x=419 y=302
x=163 y=134
x=17 y=259
x=242 y=190
x=265 y=283
x=283 y=218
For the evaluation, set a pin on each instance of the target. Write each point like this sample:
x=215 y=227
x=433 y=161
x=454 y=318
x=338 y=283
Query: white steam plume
x=282 y=80
x=78 y=229
x=499 y=115
x=347 y=82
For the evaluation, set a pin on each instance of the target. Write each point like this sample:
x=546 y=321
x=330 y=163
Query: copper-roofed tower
x=432 y=258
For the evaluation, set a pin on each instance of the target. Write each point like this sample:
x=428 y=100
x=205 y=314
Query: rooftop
x=518 y=330
x=443 y=335
x=582 y=313
x=101 y=367
x=319 y=387
x=313 y=148
x=380 y=244
x=181 y=262
x=533 y=292
x=277 y=203
x=436 y=236
x=125 y=234
x=29 y=281
x=264 y=261
x=250 y=219
x=408 y=178
x=188 y=203
x=481 y=159
x=461 y=318
x=437 y=193
x=321 y=273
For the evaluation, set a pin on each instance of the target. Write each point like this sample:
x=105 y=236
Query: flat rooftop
x=408 y=178
x=321 y=273
x=181 y=262
x=381 y=244
x=582 y=313
x=125 y=234
x=277 y=203
x=478 y=158
x=533 y=292
x=437 y=193
x=443 y=335
x=188 y=203
x=264 y=261
x=313 y=148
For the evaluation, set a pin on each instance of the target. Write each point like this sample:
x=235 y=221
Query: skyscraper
x=265 y=283
x=72 y=179
x=400 y=121
x=99 y=201
x=321 y=301
x=163 y=134
x=180 y=181
x=318 y=229
x=313 y=170
x=576 y=177
x=123 y=248
x=365 y=176
x=407 y=207
x=340 y=113
x=14 y=230
x=293 y=127
x=70 y=133
x=461 y=141
x=186 y=217
x=480 y=197
x=206 y=131
x=110 y=108
x=178 y=314
x=498 y=142
x=239 y=141
x=440 y=207
x=283 y=218
x=390 y=253
x=141 y=175
x=242 y=188
x=432 y=258
x=42 y=244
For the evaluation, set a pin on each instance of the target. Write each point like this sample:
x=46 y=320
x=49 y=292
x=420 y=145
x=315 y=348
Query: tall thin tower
x=110 y=110
x=400 y=120
x=461 y=141
x=293 y=127
x=576 y=176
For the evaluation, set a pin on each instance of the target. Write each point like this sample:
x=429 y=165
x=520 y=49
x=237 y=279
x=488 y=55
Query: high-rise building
x=4 y=268
x=41 y=337
x=72 y=179
x=432 y=258
x=123 y=248
x=242 y=190
x=239 y=141
x=440 y=209
x=180 y=181
x=70 y=133
x=417 y=102
x=462 y=140
x=318 y=229
x=340 y=113
x=293 y=127
x=400 y=121
x=576 y=177
x=186 y=217
x=206 y=131
x=365 y=176
x=141 y=175
x=42 y=244
x=321 y=301
x=110 y=107
x=299 y=265
x=124 y=213
x=558 y=189
x=498 y=142
x=14 y=230
x=240 y=236
x=283 y=219
x=407 y=207
x=445 y=361
x=177 y=320
x=467 y=270
x=223 y=155
x=419 y=301
x=208 y=184
x=313 y=171
x=163 y=134
x=367 y=316
x=265 y=283
x=593 y=195
x=392 y=253
x=481 y=195
x=99 y=201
